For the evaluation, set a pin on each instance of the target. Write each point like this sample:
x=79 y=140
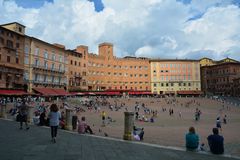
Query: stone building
x=236 y=87
x=218 y=79
x=77 y=68
x=11 y=56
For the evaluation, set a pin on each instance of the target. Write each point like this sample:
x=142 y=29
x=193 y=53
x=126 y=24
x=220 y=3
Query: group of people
x=215 y=141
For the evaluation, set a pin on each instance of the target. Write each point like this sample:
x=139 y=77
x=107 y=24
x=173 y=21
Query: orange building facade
x=106 y=72
x=31 y=64
x=11 y=56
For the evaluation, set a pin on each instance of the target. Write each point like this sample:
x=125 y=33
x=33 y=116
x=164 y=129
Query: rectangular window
x=53 y=56
x=26 y=60
x=45 y=64
x=60 y=58
x=52 y=78
x=36 y=77
x=26 y=76
x=17 y=45
x=17 y=60
x=1 y=40
x=53 y=66
x=36 y=52
x=26 y=50
x=60 y=67
x=45 y=78
x=45 y=54
x=9 y=44
x=8 y=59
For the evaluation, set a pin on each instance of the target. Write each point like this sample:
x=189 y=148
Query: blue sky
x=39 y=3
x=31 y=3
x=146 y=28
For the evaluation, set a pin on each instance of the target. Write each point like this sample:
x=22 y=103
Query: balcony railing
x=45 y=82
x=48 y=69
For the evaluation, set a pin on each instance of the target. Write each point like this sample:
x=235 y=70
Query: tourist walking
x=192 y=140
x=225 y=119
x=218 y=123
x=23 y=112
x=215 y=142
x=103 y=117
x=54 y=117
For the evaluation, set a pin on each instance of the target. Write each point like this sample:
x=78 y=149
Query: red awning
x=45 y=91
x=108 y=93
x=140 y=93
x=190 y=92
x=60 y=92
x=51 y=91
x=12 y=92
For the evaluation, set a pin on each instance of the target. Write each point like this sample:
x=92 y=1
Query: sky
x=184 y=29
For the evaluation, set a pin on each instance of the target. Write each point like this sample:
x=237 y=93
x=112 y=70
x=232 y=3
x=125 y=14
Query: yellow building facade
x=45 y=65
x=172 y=76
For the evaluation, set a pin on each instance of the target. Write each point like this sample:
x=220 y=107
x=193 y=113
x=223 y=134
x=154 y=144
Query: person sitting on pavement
x=138 y=133
x=192 y=140
x=83 y=127
x=216 y=142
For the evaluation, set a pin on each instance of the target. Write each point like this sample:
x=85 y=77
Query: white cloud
x=150 y=28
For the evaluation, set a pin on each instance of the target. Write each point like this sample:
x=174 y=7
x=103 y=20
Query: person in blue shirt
x=192 y=140
x=215 y=142
x=54 y=117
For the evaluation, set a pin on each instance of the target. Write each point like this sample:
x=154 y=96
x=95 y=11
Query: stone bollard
x=68 y=123
x=30 y=114
x=128 y=125
x=3 y=113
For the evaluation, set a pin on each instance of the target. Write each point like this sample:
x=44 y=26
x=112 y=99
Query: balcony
x=40 y=67
x=10 y=47
x=77 y=76
x=41 y=82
